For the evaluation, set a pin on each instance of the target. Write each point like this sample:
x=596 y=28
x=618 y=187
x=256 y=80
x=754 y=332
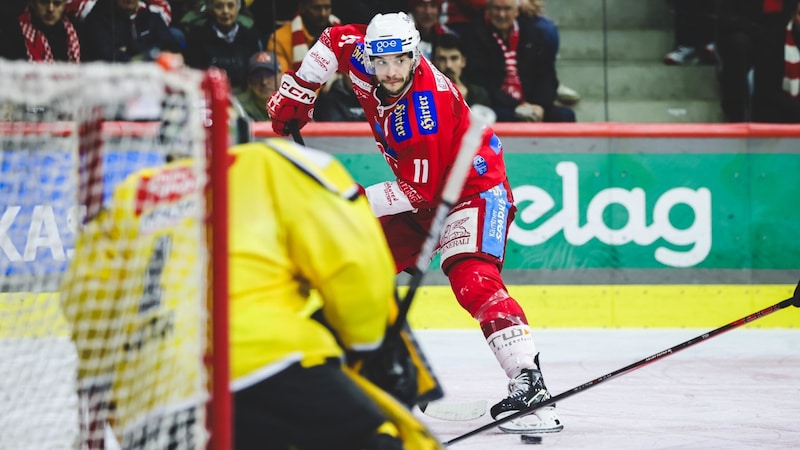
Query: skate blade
x=539 y=422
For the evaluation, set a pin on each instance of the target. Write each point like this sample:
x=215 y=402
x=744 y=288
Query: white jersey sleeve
x=320 y=63
x=387 y=198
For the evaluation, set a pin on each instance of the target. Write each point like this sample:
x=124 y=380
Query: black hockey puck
x=531 y=439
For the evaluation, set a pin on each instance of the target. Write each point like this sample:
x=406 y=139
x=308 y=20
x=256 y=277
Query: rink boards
x=619 y=225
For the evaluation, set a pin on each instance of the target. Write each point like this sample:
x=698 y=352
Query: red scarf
x=36 y=44
x=791 y=68
x=512 y=85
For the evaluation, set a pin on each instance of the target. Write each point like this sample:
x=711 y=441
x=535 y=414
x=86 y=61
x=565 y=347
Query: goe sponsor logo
x=536 y=203
x=385 y=46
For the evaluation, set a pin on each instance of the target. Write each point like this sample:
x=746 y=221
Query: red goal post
x=69 y=135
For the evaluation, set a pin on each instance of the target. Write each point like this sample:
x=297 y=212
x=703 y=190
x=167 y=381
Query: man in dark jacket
x=124 y=30
x=224 y=42
x=516 y=66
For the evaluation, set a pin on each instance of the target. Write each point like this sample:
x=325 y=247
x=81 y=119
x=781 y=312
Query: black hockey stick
x=792 y=301
x=295 y=131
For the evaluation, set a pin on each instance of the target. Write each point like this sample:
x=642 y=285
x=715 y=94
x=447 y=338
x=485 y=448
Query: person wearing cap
x=262 y=72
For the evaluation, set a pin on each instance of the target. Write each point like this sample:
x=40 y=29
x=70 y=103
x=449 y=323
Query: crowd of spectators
x=506 y=49
x=255 y=41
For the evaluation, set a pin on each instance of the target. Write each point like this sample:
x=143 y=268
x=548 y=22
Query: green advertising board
x=634 y=231
x=645 y=210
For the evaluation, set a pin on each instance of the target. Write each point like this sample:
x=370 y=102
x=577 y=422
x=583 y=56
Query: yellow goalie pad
x=415 y=435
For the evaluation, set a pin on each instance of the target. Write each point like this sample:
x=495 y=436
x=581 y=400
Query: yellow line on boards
x=619 y=306
x=26 y=315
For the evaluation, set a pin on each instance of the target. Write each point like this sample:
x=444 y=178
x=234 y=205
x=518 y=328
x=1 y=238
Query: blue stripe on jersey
x=495 y=221
x=495 y=144
x=383 y=144
x=425 y=111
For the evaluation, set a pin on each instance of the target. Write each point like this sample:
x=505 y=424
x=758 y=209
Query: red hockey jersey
x=420 y=133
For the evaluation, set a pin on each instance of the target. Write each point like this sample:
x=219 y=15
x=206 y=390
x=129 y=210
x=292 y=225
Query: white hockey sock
x=514 y=349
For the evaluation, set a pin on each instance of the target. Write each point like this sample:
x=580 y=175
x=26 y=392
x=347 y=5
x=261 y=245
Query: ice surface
x=737 y=390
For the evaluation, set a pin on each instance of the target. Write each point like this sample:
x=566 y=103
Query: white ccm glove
x=387 y=199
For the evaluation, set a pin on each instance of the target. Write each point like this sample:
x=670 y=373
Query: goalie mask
x=391 y=34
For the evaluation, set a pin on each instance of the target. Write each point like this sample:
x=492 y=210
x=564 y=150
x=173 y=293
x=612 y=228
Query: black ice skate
x=524 y=390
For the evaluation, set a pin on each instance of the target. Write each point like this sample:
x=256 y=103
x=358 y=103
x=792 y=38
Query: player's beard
x=399 y=91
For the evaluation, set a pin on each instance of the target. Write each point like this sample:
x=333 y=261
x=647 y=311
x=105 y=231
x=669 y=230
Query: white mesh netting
x=127 y=327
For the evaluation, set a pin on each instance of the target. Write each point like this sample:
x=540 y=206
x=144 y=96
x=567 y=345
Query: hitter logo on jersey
x=425 y=110
x=399 y=122
x=358 y=58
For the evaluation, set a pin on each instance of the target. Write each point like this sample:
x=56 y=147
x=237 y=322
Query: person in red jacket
x=418 y=119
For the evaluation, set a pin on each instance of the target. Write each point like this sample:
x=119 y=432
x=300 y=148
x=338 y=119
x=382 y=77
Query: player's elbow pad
x=387 y=199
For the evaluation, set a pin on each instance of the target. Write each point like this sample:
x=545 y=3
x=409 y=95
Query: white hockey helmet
x=390 y=34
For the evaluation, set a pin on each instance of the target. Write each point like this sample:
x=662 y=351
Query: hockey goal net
x=124 y=355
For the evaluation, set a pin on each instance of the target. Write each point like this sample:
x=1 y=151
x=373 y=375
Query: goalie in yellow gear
x=303 y=243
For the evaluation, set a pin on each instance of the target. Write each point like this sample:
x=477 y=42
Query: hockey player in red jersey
x=418 y=119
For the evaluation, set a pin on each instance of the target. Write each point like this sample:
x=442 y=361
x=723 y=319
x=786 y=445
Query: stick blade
x=456 y=411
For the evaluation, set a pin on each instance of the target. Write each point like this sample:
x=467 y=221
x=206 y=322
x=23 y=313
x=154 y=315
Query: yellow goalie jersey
x=290 y=240
x=134 y=296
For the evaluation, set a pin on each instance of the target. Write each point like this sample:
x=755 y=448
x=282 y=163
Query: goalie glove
x=400 y=368
x=292 y=102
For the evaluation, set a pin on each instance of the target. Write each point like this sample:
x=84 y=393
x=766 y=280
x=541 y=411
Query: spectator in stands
x=192 y=14
x=776 y=97
x=552 y=42
x=223 y=42
x=694 y=33
x=426 y=18
x=339 y=103
x=80 y=9
x=262 y=78
x=123 y=31
x=461 y=13
x=292 y=41
x=744 y=28
x=448 y=57
x=41 y=33
x=516 y=67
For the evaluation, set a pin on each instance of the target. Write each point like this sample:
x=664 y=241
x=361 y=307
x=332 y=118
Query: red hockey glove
x=293 y=101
